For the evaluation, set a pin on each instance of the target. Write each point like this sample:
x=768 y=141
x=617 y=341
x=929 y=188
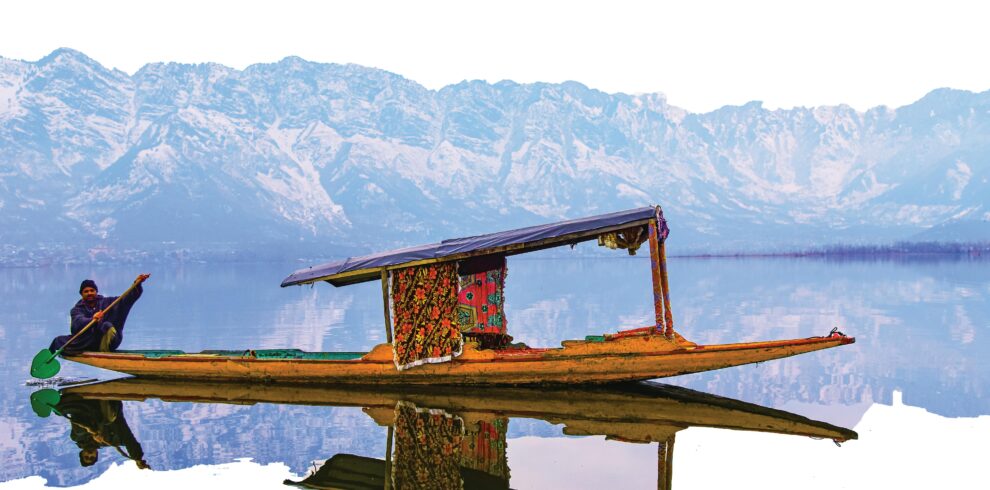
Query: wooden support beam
x=388 y=459
x=665 y=464
x=388 y=313
x=668 y=315
x=658 y=287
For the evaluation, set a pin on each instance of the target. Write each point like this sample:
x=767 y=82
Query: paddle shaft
x=91 y=322
x=97 y=437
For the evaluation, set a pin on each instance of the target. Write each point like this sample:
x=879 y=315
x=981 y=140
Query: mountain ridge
x=339 y=155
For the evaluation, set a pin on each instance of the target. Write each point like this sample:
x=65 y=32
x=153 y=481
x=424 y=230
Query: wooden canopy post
x=665 y=464
x=388 y=458
x=388 y=313
x=668 y=315
x=658 y=291
x=661 y=289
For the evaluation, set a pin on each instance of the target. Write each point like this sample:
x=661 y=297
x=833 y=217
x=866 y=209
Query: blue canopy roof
x=368 y=267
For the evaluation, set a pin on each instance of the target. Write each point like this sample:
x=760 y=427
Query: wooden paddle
x=44 y=365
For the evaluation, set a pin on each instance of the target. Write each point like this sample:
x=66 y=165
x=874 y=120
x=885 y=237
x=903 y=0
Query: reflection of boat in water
x=631 y=411
x=458 y=435
x=446 y=301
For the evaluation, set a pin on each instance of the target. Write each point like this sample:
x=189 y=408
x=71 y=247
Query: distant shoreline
x=65 y=256
x=907 y=249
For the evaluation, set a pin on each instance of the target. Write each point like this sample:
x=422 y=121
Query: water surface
x=918 y=371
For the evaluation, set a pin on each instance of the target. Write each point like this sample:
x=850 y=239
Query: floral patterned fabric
x=427 y=447
x=437 y=449
x=424 y=300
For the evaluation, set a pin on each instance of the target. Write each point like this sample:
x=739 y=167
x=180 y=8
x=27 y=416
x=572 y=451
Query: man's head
x=88 y=457
x=88 y=290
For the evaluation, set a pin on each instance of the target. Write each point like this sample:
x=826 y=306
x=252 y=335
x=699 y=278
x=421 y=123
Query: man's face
x=88 y=457
x=88 y=294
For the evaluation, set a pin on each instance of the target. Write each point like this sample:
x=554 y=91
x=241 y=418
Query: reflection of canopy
x=369 y=267
x=346 y=472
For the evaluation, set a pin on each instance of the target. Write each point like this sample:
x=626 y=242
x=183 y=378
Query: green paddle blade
x=44 y=365
x=43 y=401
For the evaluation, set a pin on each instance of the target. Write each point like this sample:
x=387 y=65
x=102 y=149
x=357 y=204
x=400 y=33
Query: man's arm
x=131 y=297
x=136 y=293
x=128 y=301
x=80 y=318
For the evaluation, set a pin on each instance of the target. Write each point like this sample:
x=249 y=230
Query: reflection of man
x=108 y=331
x=97 y=424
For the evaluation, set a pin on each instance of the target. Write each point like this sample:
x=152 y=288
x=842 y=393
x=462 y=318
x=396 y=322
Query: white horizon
x=702 y=56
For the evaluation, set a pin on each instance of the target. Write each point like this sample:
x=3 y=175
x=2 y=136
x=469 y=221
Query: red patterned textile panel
x=481 y=301
x=484 y=448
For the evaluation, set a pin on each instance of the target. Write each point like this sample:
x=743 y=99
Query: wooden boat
x=460 y=353
x=457 y=436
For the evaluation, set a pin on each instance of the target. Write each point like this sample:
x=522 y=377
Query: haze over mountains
x=297 y=157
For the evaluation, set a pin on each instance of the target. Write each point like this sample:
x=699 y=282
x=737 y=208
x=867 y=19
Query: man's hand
x=98 y=316
x=141 y=278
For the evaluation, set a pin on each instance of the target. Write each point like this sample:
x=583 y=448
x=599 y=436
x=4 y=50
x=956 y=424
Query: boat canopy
x=369 y=267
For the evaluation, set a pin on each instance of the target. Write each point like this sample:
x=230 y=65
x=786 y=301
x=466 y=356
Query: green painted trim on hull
x=252 y=353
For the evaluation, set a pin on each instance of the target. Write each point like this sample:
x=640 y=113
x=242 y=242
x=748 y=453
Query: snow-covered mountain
x=301 y=154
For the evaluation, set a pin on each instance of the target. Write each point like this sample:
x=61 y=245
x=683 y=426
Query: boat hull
x=625 y=359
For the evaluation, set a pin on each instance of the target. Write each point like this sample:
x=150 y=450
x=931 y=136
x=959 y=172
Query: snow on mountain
x=297 y=152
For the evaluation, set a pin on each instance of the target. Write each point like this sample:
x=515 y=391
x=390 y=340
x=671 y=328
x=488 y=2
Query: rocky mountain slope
x=310 y=156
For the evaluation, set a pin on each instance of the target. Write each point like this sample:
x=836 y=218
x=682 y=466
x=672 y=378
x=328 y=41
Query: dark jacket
x=82 y=313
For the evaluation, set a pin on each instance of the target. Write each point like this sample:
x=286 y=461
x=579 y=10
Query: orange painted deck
x=621 y=357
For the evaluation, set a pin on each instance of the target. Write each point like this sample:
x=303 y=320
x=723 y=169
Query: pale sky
x=701 y=54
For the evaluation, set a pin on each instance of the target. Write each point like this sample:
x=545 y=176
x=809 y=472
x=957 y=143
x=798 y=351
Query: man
x=97 y=424
x=108 y=331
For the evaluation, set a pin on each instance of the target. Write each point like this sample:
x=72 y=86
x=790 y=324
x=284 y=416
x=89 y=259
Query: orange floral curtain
x=436 y=449
x=424 y=300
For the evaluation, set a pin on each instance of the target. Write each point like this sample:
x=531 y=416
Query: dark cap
x=88 y=283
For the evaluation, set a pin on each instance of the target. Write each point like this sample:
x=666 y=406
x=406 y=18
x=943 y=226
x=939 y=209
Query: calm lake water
x=915 y=386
